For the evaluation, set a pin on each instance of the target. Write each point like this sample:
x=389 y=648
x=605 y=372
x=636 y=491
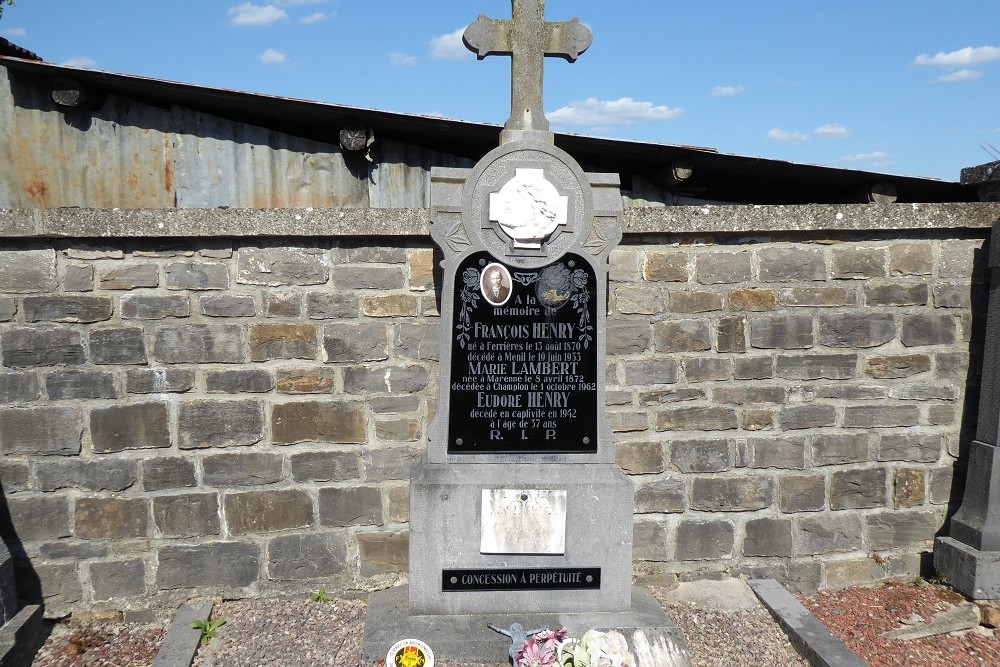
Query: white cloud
x=397 y=58
x=727 y=91
x=251 y=14
x=450 y=47
x=875 y=158
x=831 y=131
x=14 y=32
x=82 y=62
x=779 y=136
x=273 y=57
x=961 y=58
x=316 y=17
x=296 y=3
x=960 y=75
x=593 y=112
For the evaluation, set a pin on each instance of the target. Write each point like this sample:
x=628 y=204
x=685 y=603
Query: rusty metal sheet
x=400 y=177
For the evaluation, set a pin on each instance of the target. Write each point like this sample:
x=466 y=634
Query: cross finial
x=527 y=38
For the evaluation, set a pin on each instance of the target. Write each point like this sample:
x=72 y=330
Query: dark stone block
x=19 y=388
x=197 y=276
x=660 y=497
x=253 y=469
x=640 y=458
x=187 y=515
x=665 y=396
x=768 y=538
x=420 y=342
x=26 y=270
x=701 y=455
x=733 y=334
x=8 y=309
x=817 y=366
x=892 y=530
x=828 y=533
x=801 y=493
x=57 y=584
x=149 y=307
x=284 y=341
x=78 y=278
x=839 y=448
x=297 y=557
x=328 y=421
x=781 y=453
x=402 y=429
x=237 y=423
x=346 y=278
x=73 y=550
x=110 y=518
x=791 y=264
x=705 y=540
x=713 y=268
x=858 y=263
x=858 y=489
x=785 y=332
x=216 y=564
x=256 y=512
x=928 y=330
x=41 y=431
x=696 y=419
x=279 y=266
x=914 y=447
x=130 y=426
x=167 y=472
x=117 y=580
x=355 y=342
x=107 y=475
x=649 y=541
x=65 y=385
x=243 y=381
x=857 y=330
x=695 y=302
x=357 y=506
x=225 y=305
x=682 y=335
x=331 y=305
x=200 y=343
x=658 y=266
x=33 y=518
x=14 y=477
x=818 y=297
x=750 y=395
x=158 y=380
x=130 y=277
x=651 y=372
x=698 y=369
x=732 y=494
x=798 y=417
x=78 y=309
x=628 y=336
x=881 y=416
x=896 y=295
x=325 y=466
x=389 y=464
x=753 y=368
x=118 y=346
x=42 y=347
x=388 y=379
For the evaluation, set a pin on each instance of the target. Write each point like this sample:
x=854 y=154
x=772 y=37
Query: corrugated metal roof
x=716 y=176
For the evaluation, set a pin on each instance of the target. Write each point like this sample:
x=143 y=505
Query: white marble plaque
x=531 y=521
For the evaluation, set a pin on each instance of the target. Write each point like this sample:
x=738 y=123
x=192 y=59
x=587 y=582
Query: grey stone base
x=466 y=638
x=21 y=637
x=973 y=573
x=182 y=641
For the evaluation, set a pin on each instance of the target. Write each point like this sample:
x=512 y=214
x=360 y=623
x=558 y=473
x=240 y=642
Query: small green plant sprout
x=321 y=596
x=209 y=629
x=938 y=578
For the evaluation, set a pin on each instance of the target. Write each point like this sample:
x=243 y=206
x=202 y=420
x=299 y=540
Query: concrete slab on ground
x=726 y=595
x=181 y=642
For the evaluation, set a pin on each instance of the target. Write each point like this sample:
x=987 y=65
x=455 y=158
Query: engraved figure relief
x=496 y=284
x=523 y=521
x=528 y=208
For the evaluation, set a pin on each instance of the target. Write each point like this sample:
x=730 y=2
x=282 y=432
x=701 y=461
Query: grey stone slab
x=465 y=638
x=972 y=572
x=21 y=637
x=810 y=638
x=181 y=642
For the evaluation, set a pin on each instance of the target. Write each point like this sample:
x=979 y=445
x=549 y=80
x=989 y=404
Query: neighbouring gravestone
x=970 y=555
x=518 y=512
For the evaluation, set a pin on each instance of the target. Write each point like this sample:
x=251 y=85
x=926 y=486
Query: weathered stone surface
x=421 y=265
x=187 y=515
x=56 y=584
x=749 y=395
x=957 y=257
x=41 y=431
x=708 y=418
x=897 y=366
x=167 y=472
x=8 y=308
x=403 y=429
x=920 y=330
x=851 y=392
x=66 y=549
x=107 y=475
x=801 y=493
x=369 y=278
x=398 y=507
x=701 y=455
x=858 y=489
x=197 y=276
x=355 y=342
x=115 y=580
x=896 y=295
x=890 y=530
x=283 y=341
x=331 y=305
x=295 y=557
x=78 y=309
x=884 y=416
x=856 y=330
x=663 y=267
x=683 y=335
x=242 y=381
x=713 y=268
x=278 y=266
x=666 y=396
x=20 y=387
x=223 y=564
x=753 y=368
x=251 y=469
x=389 y=464
x=649 y=372
x=390 y=305
x=120 y=347
x=958 y=296
x=158 y=380
x=387 y=379
x=628 y=336
x=42 y=347
x=354 y=506
x=133 y=426
x=306 y=380
x=768 y=538
x=798 y=417
x=325 y=466
x=660 y=497
x=785 y=332
x=66 y=385
x=640 y=458
x=227 y=305
x=914 y=447
x=911 y=259
x=110 y=518
x=788 y=453
x=129 y=277
x=256 y=512
x=91 y=251
x=14 y=477
x=383 y=552
x=791 y=264
x=649 y=541
x=28 y=270
x=200 y=344
x=827 y=533
x=327 y=421
x=705 y=540
x=78 y=278
x=757 y=420
x=35 y=517
x=733 y=334
x=858 y=263
x=838 y=448
x=639 y=300
x=420 y=342
x=817 y=366
x=754 y=299
x=909 y=487
x=695 y=302
x=705 y=369
x=152 y=307
x=282 y=304
x=237 y=423
x=627 y=422
x=818 y=297
x=731 y=494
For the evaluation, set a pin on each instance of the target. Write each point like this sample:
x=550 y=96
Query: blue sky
x=907 y=88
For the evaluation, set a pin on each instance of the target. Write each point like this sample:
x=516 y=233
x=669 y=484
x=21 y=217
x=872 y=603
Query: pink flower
x=529 y=655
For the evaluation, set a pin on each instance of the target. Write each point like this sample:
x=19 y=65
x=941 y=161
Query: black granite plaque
x=521 y=579
x=524 y=358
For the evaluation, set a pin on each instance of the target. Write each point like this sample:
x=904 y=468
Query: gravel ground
x=299 y=632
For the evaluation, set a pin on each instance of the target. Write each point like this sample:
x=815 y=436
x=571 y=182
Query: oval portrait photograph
x=496 y=284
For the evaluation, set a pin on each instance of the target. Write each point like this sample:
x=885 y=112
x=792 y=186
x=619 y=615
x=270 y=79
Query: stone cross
x=528 y=38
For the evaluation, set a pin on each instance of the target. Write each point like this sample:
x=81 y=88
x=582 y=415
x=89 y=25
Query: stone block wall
x=239 y=416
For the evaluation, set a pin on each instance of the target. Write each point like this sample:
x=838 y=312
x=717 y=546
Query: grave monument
x=518 y=512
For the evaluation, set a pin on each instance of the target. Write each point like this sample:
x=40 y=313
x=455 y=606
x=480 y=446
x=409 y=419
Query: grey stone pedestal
x=465 y=638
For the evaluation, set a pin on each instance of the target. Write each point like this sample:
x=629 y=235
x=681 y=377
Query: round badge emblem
x=410 y=653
